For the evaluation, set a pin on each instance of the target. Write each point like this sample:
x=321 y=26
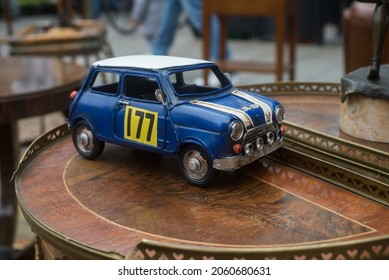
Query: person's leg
x=164 y=40
x=193 y=10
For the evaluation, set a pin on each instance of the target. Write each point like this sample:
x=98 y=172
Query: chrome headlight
x=259 y=143
x=270 y=138
x=236 y=130
x=248 y=148
x=279 y=113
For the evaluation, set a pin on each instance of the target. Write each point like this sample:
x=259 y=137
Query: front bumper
x=236 y=162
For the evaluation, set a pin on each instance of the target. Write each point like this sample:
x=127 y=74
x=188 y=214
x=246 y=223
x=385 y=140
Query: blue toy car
x=161 y=104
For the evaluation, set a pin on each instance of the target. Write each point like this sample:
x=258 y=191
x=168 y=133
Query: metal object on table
x=366 y=90
x=28 y=87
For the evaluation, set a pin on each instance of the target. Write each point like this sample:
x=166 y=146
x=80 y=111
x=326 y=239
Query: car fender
x=195 y=141
x=203 y=126
x=83 y=118
x=200 y=118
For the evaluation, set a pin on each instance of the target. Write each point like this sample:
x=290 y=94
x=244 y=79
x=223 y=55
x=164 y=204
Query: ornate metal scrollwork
x=41 y=142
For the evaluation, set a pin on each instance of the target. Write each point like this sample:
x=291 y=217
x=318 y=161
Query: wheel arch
x=194 y=141
x=84 y=119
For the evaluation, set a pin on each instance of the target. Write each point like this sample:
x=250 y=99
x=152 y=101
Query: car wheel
x=85 y=141
x=196 y=165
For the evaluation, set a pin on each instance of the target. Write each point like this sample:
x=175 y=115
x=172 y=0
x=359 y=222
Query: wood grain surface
x=134 y=204
x=125 y=196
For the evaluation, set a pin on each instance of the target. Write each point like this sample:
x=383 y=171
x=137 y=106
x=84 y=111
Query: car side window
x=106 y=82
x=140 y=87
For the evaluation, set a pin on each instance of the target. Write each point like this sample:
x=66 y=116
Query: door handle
x=123 y=103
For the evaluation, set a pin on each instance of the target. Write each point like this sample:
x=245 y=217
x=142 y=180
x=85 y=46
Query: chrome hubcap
x=195 y=164
x=85 y=140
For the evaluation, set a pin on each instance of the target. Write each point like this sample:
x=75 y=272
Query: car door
x=98 y=101
x=140 y=118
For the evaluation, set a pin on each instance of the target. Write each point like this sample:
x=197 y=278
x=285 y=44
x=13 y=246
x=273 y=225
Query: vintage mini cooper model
x=161 y=104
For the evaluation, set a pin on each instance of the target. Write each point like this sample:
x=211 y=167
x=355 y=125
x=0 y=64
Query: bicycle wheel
x=118 y=15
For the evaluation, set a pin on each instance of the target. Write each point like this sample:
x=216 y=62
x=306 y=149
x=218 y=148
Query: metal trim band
x=244 y=117
x=267 y=112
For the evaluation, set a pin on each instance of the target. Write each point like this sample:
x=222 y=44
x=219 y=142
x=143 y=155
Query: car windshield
x=191 y=83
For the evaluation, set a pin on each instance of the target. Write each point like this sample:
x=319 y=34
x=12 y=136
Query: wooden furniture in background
x=84 y=38
x=284 y=13
x=7 y=13
x=28 y=87
x=79 y=41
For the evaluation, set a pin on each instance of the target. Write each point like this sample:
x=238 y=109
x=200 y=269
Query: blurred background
x=319 y=53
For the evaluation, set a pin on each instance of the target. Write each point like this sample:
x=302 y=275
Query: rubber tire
x=200 y=155
x=94 y=148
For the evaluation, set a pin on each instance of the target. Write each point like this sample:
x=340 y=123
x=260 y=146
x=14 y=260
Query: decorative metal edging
x=326 y=168
x=64 y=244
x=342 y=163
x=347 y=150
x=371 y=248
x=41 y=142
x=295 y=88
x=345 y=164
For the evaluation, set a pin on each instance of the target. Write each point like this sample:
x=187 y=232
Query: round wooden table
x=136 y=205
x=85 y=38
x=29 y=86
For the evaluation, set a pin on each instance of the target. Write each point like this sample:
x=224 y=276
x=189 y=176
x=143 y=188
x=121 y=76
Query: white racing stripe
x=265 y=108
x=243 y=116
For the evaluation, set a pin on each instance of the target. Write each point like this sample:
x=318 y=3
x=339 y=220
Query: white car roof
x=151 y=62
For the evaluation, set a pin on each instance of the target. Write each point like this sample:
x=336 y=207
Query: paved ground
x=314 y=63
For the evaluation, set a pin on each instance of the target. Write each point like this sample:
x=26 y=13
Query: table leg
x=8 y=159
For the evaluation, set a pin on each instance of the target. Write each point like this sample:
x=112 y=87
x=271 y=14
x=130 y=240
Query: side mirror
x=159 y=95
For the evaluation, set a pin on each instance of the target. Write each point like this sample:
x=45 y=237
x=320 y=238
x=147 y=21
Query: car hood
x=249 y=108
x=216 y=113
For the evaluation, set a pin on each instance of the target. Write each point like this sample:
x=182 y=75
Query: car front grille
x=257 y=132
